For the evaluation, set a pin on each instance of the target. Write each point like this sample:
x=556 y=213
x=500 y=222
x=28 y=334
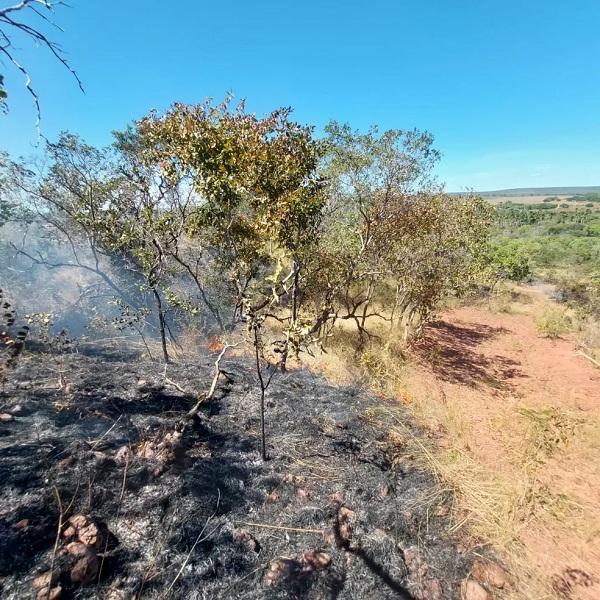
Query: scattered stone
x=346 y=519
x=53 y=594
x=247 y=539
x=280 y=569
x=6 y=418
x=85 y=569
x=473 y=590
x=69 y=532
x=122 y=455
x=432 y=590
x=22 y=524
x=416 y=566
x=77 y=549
x=45 y=580
x=493 y=574
x=16 y=410
x=315 y=560
x=303 y=494
x=274 y=496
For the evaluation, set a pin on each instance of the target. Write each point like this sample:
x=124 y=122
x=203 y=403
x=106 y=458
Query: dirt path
x=526 y=410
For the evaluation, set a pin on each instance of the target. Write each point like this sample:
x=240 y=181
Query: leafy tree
x=506 y=262
x=258 y=206
x=389 y=230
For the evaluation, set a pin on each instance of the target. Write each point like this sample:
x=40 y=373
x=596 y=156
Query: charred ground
x=187 y=509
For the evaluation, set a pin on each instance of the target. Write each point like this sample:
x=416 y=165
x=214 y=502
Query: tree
x=13 y=22
x=390 y=235
x=259 y=202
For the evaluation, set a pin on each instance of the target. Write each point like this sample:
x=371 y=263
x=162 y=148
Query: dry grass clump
x=554 y=323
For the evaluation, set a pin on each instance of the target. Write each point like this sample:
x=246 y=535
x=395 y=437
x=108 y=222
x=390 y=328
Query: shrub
x=553 y=323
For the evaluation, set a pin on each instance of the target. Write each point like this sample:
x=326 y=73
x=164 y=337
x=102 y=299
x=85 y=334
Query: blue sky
x=510 y=89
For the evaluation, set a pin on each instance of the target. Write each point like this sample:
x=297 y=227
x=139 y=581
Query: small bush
x=554 y=323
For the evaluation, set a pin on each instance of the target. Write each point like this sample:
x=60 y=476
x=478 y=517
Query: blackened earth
x=188 y=509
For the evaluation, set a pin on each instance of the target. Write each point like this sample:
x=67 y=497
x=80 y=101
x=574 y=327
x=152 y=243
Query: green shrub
x=553 y=323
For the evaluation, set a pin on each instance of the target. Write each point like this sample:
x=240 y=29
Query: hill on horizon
x=541 y=191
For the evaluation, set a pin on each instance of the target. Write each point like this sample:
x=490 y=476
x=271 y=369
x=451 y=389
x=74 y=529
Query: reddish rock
x=78 y=521
x=6 y=418
x=77 y=549
x=432 y=590
x=486 y=571
x=90 y=536
x=85 y=569
x=69 y=532
x=45 y=580
x=280 y=569
x=416 y=566
x=315 y=560
x=53 y=594
x=472 y=590
x=346 y=519
x=247 y=539
x=22 y=524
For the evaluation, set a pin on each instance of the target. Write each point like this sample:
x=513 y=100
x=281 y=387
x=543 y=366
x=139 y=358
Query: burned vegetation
x=159 y=437
x=110 y=490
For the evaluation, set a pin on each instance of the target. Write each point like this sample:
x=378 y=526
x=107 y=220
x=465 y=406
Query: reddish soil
x=505 y=353
x=487 y=367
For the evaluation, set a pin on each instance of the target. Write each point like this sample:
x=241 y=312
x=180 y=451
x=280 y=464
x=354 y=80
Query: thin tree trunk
x=161 y=324
x=261 y=381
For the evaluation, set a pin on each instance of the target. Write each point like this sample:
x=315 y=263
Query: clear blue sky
x=509 y=88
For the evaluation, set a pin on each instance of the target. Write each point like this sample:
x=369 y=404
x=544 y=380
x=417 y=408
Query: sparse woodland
x=166 y=305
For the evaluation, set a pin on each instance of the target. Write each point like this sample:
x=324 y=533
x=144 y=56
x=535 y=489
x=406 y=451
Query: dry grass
x=520 y=474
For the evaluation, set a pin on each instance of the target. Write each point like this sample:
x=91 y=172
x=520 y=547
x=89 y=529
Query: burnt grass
x=206 y=517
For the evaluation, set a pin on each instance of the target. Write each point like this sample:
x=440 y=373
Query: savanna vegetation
x=161 y=300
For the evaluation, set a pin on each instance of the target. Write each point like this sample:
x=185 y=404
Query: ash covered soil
x=155 y=505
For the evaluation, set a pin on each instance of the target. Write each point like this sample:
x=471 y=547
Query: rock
x=315 y=560
x=22 y=524
x=432 y=590
x=6 y=418
x=65 y=462
x=415 y=565
x=77 y=549
x=16 y=410
x=246 y=539
x=45 y=580
x=78 y=521
x=90 y=536
x=53 y=594
x=280 y=569
x=345 y=521
x=303 y=494
x=123 y=455
x=385 y=490
x=87 y=531
x=85 y=569
x=472 y=590
x=69 y=532
x=274 y=496
x=486 y=571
